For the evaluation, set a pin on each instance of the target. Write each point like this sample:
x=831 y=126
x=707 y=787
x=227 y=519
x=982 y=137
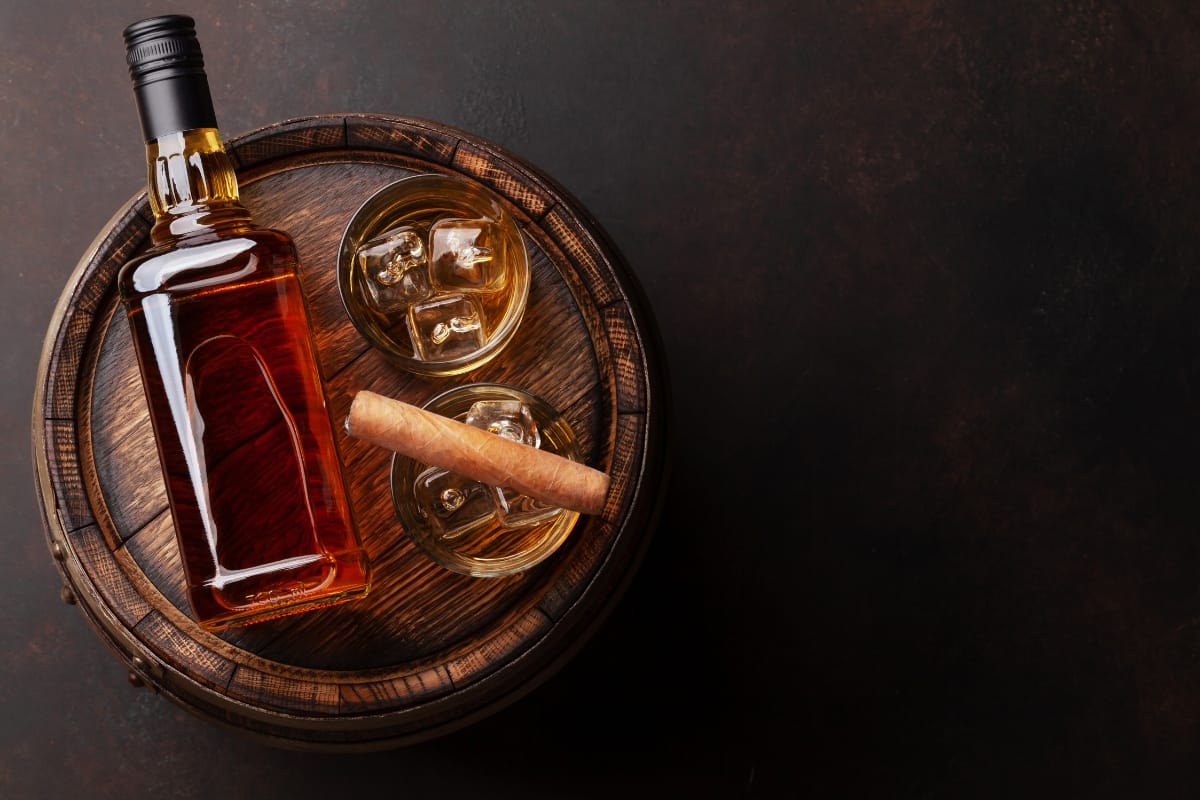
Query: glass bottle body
x=253 y=476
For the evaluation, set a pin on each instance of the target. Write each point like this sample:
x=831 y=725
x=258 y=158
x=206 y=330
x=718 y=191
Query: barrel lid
x=429 y=650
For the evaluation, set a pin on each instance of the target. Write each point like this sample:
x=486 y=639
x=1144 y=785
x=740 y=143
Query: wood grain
x=288 y=138
x=424 y=141
x=428 y=649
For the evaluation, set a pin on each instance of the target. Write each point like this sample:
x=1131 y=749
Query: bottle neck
x=192 y=186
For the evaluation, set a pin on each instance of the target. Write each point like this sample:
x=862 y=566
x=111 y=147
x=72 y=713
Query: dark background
x=926 y=278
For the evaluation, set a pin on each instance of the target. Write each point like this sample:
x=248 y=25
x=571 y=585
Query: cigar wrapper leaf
x=473 y=453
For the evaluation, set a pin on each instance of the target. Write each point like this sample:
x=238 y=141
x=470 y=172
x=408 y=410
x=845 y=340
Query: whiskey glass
x=434 y=273
x=472 y=528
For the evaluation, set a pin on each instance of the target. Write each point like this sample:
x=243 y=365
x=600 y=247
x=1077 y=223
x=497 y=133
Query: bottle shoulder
x=200 y=263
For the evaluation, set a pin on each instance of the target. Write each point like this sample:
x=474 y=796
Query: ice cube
x=508 y=418
x=512 y=420
x=465 y=255
x=446 y=327
x=516 y=510
x=454 y=505
x=394 y=271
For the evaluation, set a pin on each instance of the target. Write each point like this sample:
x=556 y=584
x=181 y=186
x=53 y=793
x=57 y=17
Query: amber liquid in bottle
x=222 y=337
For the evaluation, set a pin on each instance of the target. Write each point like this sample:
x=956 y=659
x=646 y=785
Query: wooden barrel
x=428 y=651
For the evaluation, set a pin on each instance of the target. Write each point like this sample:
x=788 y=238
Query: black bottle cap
x=167 y=69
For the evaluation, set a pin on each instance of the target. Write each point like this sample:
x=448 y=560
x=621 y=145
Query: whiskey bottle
x=228 y=366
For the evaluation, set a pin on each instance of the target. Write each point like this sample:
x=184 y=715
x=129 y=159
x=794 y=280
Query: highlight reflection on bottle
x=222 y=337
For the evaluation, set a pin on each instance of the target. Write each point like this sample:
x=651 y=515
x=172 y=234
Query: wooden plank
x=156 y=554
x=585 y=254
x=417 y=139
x=120 y=596
x=302 y=135
x=70 y=498
x=626 y=472
x=498 y=650
x=367 y=696
x=285 y=690
x=628 y=361
x=529 y=195
x=586 y=550
x=183 y=653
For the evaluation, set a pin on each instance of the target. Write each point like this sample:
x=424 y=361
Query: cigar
x=474 y=453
